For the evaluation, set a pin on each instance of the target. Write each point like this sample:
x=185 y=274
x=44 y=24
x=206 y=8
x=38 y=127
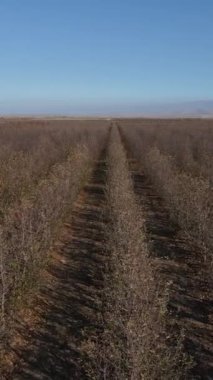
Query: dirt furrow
x=180 y=265
x=50 y=340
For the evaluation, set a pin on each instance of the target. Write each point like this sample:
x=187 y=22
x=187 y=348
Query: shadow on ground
x=191 y=303
x=69 y=304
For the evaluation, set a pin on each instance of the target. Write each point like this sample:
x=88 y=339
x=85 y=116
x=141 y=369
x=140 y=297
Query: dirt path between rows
x=49 y=341
x=191 y=298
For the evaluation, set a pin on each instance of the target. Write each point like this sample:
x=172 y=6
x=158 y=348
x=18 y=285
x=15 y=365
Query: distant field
x=106 y=247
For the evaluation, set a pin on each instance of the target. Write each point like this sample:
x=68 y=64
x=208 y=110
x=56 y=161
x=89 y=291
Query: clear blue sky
x=75 y=56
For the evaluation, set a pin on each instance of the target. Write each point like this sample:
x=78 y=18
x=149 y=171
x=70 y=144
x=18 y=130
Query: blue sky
x=82 y=56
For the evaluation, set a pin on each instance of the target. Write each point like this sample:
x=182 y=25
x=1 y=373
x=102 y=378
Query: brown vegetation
x=32 y=212
x=28 y=151
x=120 y=273
x=188 y=141
x=135 y=343
x=177 y=156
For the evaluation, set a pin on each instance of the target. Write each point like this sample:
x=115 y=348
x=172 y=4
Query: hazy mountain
x=202 y=108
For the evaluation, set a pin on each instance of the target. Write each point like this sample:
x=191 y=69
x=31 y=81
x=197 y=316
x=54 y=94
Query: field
x=106 y=248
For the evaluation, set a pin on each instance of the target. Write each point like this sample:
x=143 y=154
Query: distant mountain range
x=175 y=109
x=195 y=109
x=199 y=108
